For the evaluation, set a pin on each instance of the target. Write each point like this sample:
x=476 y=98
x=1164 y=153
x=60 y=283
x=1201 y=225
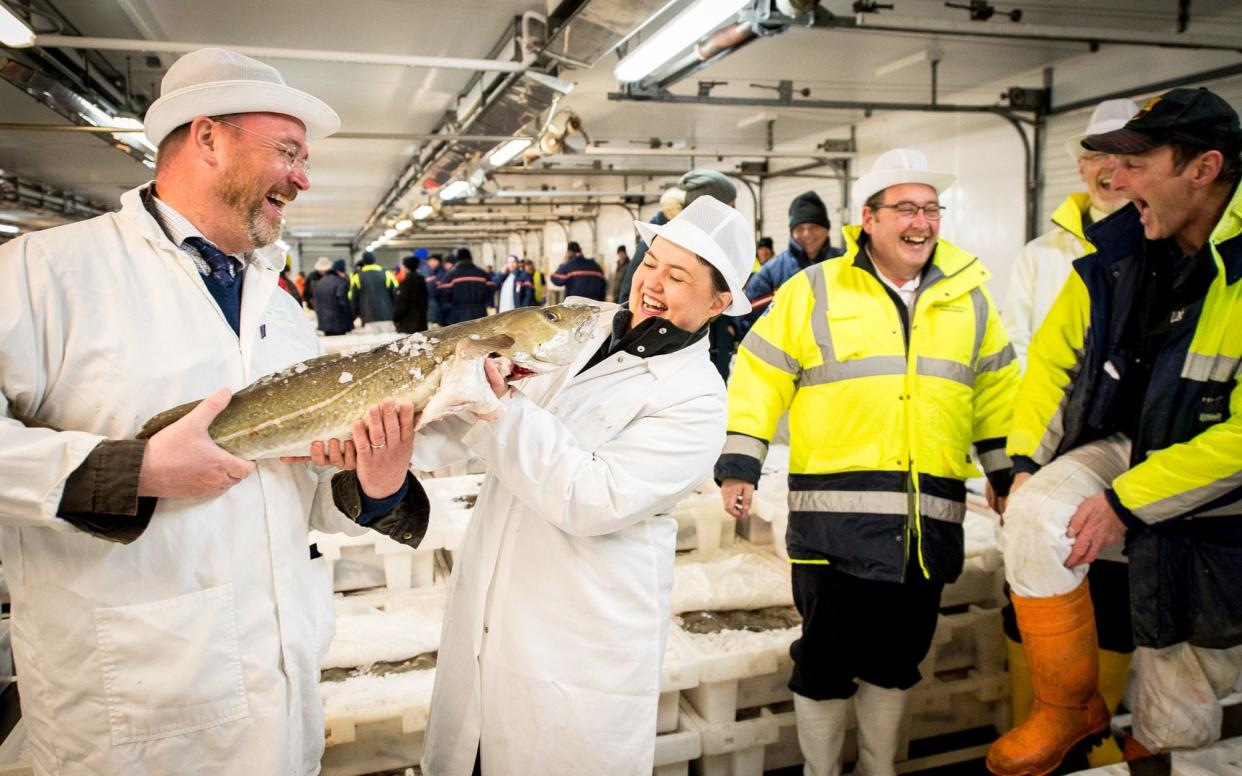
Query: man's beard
x=237 y=191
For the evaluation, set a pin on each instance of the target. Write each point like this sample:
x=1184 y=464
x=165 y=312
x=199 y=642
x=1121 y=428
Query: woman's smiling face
x=674 y=284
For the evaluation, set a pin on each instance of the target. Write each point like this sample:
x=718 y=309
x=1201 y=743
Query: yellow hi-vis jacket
x=1182 y=496
x=872 y=404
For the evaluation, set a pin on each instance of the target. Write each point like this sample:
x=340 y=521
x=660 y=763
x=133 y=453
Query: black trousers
x=855 y=628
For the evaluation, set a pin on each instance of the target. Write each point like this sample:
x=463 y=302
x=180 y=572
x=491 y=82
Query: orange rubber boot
x=1059 y=636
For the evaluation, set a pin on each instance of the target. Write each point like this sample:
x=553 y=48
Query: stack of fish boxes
x=383 y=729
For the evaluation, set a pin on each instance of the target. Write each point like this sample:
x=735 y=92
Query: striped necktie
x=223 y=266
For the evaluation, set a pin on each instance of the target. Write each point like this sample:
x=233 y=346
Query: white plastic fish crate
x=381 y=745
x=450 y=509
x=403 y=567
x=702 y=522
x=387 y=735
x=952 y=703
x=733 y=681
x=982 y=583
x=973 y=639
x=733 y=748
x=679 y=671
x=675 y=750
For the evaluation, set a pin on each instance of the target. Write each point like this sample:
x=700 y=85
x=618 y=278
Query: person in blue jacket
x=467 y=289
x=581 y=276
x=809 y=229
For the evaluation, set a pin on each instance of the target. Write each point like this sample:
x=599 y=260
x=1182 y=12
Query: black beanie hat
x=808 y=208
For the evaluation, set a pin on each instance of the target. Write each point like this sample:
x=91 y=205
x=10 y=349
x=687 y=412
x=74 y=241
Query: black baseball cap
x=766 y=242
x=1196 y=117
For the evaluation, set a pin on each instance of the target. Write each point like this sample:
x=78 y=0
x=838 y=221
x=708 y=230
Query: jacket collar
x=1068 y=215
x=136 y=214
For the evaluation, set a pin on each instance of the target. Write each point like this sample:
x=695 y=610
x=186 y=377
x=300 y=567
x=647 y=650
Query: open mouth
x=653 y=306
x=914 y=239
x=520 y=371
x=277 y=202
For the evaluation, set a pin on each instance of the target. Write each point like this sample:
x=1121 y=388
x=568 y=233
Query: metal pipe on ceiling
x=273 y=52
x=19 y=127
x=1093 y=35
x=716 y=152
x=1148 y=88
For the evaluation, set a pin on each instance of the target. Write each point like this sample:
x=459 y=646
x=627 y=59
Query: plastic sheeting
x=742 y=579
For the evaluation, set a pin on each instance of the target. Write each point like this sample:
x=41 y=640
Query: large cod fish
x=319 y=399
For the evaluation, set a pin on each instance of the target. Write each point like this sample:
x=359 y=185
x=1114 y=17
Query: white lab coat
x=560 y=597
x=1041 y=271
x=196 y=648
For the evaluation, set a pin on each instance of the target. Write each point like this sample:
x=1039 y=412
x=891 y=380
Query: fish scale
x=319 y=399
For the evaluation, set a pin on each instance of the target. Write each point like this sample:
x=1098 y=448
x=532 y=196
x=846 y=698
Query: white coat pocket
x=171 y=667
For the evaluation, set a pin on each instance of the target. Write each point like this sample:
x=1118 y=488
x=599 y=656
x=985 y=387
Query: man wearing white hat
x=892 y=362
x=1046 y=261
x=1039 y=275
x=168 y=617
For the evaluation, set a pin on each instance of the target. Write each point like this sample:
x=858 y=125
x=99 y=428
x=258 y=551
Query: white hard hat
x=898 y=166
x=719 y=235
x=217 y=82
x=323 y=264
x=1107 y=116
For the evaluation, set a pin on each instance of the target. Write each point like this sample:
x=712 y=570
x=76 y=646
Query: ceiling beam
x=273 y=52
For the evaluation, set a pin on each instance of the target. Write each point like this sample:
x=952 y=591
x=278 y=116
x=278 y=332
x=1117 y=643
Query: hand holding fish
x=497 y=381
x=182 y=460
x=382 y=443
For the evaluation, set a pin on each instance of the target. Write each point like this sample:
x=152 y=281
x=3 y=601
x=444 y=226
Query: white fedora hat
x=217 y=82
x=900 y=165
x=719 y=235
x=1107 y=116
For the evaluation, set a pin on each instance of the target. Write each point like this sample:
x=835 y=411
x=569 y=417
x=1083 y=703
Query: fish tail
x=164 y=419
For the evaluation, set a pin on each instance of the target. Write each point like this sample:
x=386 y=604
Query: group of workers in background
x=166 y=611
x=433 y=290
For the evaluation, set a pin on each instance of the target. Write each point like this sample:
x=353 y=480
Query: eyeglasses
x=292 y=160
x=908 y=210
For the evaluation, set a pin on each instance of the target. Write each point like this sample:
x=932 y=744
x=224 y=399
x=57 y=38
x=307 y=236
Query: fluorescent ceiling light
x=135 y=139
x=675 y=37
x=456 y=190
x=403 y=224
x=13 y=31
x=8 y=229
x=422 y=211
x=390 y=233
x=508 y=152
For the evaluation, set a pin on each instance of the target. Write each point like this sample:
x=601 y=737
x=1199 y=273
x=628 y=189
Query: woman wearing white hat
x=550 y=658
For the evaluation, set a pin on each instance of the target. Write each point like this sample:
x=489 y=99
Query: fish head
x=549 y=337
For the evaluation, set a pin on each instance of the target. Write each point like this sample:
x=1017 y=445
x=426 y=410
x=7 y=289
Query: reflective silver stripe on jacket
x=740 y=444
x=866 y=502
x=1181 y=503
x=1218 y=368
x=994 y=460
x=997 y=361
x=770 y=354
x=947 y=369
